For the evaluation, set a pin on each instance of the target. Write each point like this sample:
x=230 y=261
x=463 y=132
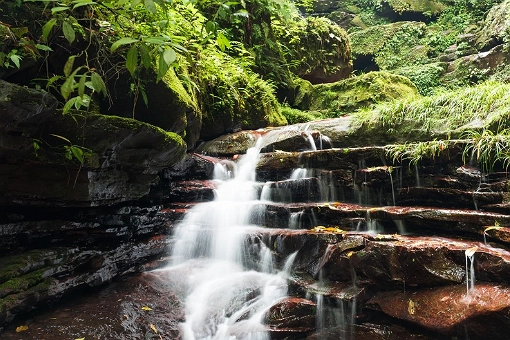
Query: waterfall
x=225 y=298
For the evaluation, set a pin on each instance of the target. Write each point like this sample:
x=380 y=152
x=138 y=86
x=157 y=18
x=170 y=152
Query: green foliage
x=427 y=78
x=295 y=116
x=488 y=148
x=485 y=106
x=416 y=152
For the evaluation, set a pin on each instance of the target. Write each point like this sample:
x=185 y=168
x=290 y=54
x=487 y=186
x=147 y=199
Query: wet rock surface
x=368 y=237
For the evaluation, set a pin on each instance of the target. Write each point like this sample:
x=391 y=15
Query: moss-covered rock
x=235 y=98
x=318 y=49
x=390 y=46
x=428 y=7
x=354 y=93
x=170 y=105
x=473 y=69
x=496 y=27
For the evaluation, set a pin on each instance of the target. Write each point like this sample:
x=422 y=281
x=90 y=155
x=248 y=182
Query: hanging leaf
x=67 y=87
x=150 y=5
x=59 y=9
x=145 y=56
x=132 y=60
x=68 y=66
x=16 y=59
x=77 y=152
x=43 y=47
x=169 y=55
x=68 y=30
x=120 y=42
x=81 y=85
x=68 y=105
x=46 y=29
x=98 y=83
x=222 y=41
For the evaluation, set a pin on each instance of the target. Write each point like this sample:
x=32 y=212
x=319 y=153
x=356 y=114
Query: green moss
x=315 y=43
x=365 y=90
x=295 y=116
x=21 y=283
x=236 y=97
x=394 y=45
x=421 y=6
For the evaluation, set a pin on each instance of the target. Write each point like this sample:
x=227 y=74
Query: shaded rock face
x=76 y=160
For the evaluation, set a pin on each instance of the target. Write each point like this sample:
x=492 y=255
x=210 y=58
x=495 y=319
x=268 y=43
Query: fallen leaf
x=153 y=328
x=411 y=307
x=146 y=308
x=21 y=328
x=79 y=339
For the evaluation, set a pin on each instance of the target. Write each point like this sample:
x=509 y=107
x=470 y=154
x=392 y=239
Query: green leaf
x=210 y=27
x=68 y=30
x=242 y=13
x=155 y=40
x=150 y=5
x=46 y=29
x=16 y=59
x=67 y=88
x=81 y=85
x=77 y=152
x=222 y=41
x=59 y=9
x=169 y=56
x=80 y=3
x=132 y=60
x=163 y=67
x=43 y=47
x=68 y=105
x=68 y=66
x=122 y=41
x=98 y=83
x=145 y=56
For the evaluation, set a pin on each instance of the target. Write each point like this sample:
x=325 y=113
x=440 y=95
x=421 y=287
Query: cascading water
x=225 y=297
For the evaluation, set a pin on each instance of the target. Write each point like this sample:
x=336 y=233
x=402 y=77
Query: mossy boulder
x=476 y=68
x=496 y=27
x=170 y=105
x=354 y=93
x=389 y=46
x=428 y=7
x=234 y=99
x=319 y=49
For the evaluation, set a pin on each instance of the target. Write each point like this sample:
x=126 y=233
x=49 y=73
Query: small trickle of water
x=470 y=269
x=390 y=171
x=418 y=185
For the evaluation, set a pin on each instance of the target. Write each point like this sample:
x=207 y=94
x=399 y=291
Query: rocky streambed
x=380 y=250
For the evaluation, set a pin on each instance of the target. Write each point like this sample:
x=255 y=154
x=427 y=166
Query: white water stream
x=225 y=299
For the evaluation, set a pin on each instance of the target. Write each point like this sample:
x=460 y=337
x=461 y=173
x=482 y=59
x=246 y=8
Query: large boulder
x=76 y=159
x=351 y=94
x=170 y=105
x=496 y=27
